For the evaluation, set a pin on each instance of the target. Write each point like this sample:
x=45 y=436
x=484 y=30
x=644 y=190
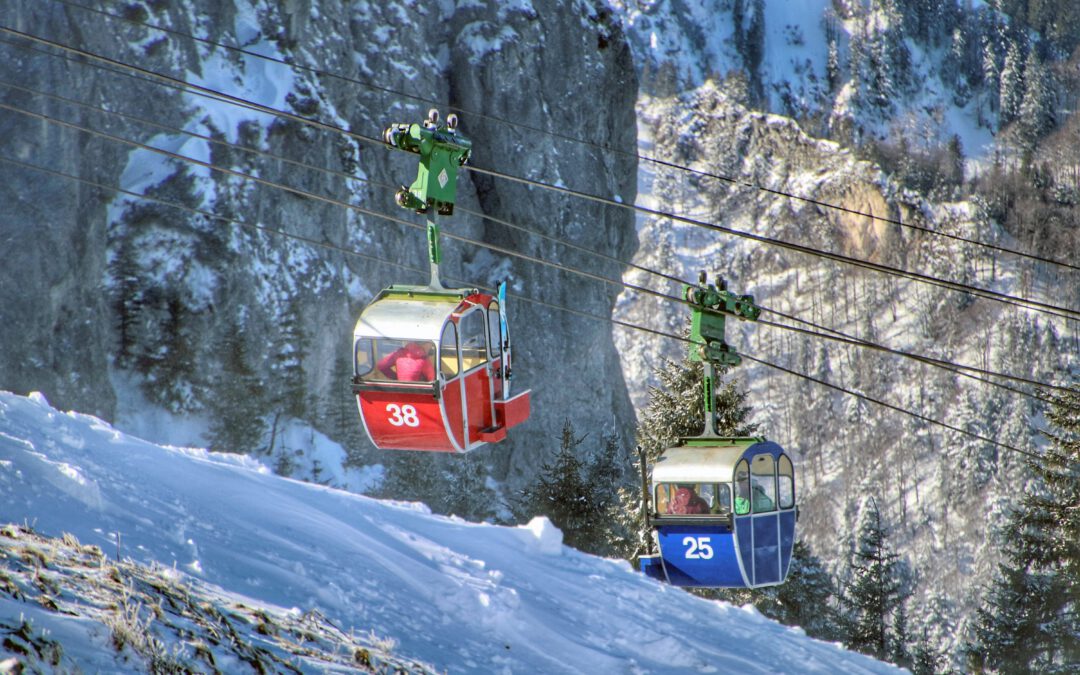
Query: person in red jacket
x=687 y=502
x=411 y=363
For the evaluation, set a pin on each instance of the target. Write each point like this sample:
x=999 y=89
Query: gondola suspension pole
x=710 y=305
x=645 y=499
x=442 y=151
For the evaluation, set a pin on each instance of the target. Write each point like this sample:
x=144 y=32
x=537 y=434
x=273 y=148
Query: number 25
x=403 y=415
x=698 y=548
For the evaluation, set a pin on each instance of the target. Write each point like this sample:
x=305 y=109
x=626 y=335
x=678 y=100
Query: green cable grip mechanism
x=441 y=152
x=710 y=305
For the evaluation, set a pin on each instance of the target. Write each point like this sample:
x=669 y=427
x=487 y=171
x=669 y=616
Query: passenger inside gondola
x=687 y=502
x=722 y=503
x=762 y=501
x=693 y=498
x=413 y=362
x=742 y=493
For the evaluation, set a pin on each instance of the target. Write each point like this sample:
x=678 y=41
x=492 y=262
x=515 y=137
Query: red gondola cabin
x=432 y=370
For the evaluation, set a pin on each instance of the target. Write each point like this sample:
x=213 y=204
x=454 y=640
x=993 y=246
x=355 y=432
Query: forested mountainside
x=897 y=133
x=168 y=281
x=190 y=292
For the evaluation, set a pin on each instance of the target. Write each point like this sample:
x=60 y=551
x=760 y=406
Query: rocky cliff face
x=95 y=280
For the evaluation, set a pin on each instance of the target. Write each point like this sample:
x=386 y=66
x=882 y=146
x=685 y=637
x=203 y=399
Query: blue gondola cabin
x=724 y=514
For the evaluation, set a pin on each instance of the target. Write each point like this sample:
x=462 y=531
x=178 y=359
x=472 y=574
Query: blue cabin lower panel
x=756 y=552
x=787 y=540
x=700 y=555
x=766 y=549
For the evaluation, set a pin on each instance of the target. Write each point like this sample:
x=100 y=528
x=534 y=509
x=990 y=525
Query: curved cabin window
x=363 y=357
x=786 y=482
x=494 y=330
x=390 y=360
x=448 y=354
x=473 y=335
x=693 y=499
x=763 y=484
x=742 y=488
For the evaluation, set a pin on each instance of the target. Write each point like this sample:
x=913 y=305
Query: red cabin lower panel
x=405 y=421
x=478 y=395
x=462 y=418
x=454 y=411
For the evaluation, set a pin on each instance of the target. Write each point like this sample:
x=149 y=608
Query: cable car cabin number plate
x=387 y=414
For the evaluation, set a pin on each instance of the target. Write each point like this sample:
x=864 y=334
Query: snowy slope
x=460 y=596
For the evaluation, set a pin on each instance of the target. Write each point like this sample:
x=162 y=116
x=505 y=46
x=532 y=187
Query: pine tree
x=413 y=477
x=1030 y=618
x=1054 y=512
x=899 y=641
x=925 y=660
x=888 y=61
x=755 y=42
x=875 y=589
x=561 y=493
x=238 y=406
x=1012 y=84
x=991 y=70
x=337 y=410
x=1007 y=634
x=287 y=363
x=832 y=67
x=1036 y=107
x=806 y=599
x=467 y=494
x=676 y=409
x=604 y=474
x=738 y=21
x=169 y=362
x=127 y=296
x=938 y=630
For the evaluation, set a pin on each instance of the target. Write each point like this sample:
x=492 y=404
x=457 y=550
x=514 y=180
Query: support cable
x=947 y=365
x=542 y=303
x=572 y=139
x=1046 y=308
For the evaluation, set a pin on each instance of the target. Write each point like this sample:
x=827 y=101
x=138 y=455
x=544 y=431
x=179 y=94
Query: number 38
x=698 y=548
x=403 y=415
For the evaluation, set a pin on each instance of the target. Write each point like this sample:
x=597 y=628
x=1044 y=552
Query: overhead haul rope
x=336 y=173
x=946 y=365
x=566 y=137
x=542 y=303
x=1046 y=308
x=842 y=337
x=305 y=193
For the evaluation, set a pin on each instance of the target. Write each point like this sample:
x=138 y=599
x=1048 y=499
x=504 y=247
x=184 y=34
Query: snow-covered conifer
x=238 y=405
x=875 y=589
x=1029 y=619
x=287 y=362
x=562 y=493
x=1036 y=111
x=1011 y=87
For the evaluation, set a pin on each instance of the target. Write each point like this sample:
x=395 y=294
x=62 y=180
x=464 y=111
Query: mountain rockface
x=196 y=290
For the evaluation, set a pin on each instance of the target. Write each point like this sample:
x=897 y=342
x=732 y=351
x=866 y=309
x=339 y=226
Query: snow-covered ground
x=463 y=597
